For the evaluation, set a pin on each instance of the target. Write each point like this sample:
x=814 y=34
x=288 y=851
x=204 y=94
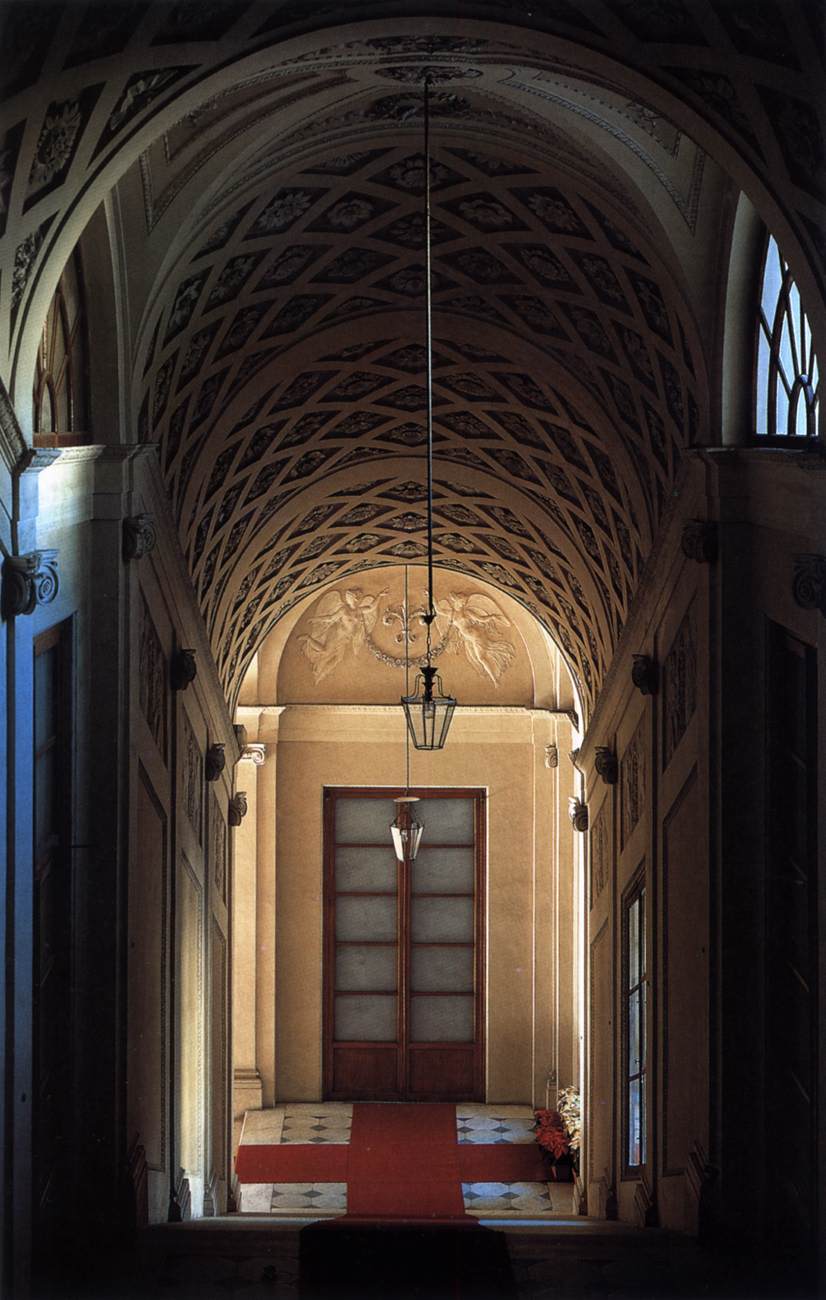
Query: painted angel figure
x=341 y=621
x=476 y=625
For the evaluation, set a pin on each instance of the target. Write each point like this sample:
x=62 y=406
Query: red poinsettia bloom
x=550 y=1133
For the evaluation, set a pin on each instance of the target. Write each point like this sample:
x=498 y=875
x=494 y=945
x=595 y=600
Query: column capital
x=28 y=581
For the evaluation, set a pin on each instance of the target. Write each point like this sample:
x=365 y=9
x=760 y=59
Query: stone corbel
x=578 y=812
x=606 y=764
x=139 y=536
x=551 y=756
x=699 y=541
x=238 y=808
x=182 y=669
x=254 y=753
x=216 y=761
x=809 y=585
x=28 y=581
x=644 y=674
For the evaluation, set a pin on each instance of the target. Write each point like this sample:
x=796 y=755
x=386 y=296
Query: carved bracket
x=551 y=756
x=606 y=763
x=139 y=536
x=578 y=812
x=238 y=808
x=254 y=753
x=182 y=669
x=216 y=761
x=28 y=581
x=809 y=586
x=645 y=674
x=699 y=541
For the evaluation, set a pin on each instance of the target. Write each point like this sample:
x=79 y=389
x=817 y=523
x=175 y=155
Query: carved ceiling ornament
x=349 y=621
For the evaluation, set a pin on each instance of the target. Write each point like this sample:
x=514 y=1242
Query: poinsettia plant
x=550 y=1134
x=559 y=1132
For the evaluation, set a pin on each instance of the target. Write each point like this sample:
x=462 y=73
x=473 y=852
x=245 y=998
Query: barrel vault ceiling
x=272 y=240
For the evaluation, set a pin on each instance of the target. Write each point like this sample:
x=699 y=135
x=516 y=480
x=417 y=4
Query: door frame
x=401 y=1045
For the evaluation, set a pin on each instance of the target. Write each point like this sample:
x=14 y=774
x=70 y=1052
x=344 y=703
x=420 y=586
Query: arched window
x=788 y=378
x=60 y=407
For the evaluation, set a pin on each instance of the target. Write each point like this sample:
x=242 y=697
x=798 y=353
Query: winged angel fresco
x=470 y=624
x=342 y=621
x=476 y=626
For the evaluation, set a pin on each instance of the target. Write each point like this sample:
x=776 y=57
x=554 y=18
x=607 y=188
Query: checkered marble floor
x=321 y=1200
x=326 y=1123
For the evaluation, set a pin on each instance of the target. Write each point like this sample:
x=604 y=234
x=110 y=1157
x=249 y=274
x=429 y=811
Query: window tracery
x=59 y=396
x=787 y=392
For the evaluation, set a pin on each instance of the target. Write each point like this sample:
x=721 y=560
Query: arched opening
x=457 y=992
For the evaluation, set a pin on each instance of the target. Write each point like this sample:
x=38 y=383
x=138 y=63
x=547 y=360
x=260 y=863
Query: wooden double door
x=404 y=949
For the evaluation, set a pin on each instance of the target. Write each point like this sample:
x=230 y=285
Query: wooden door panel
x=441 y=1073
x=366 y=1073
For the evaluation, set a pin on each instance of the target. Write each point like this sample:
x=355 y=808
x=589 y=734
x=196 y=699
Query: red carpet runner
x=403 y=1162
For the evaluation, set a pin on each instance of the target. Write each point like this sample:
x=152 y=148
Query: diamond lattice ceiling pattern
x=275 y=271
x=553 y=468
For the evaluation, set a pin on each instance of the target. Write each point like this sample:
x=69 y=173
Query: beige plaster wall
x=322 y=696
x=530 y=993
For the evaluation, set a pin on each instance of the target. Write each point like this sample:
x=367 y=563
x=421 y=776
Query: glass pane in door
x=365 y=1005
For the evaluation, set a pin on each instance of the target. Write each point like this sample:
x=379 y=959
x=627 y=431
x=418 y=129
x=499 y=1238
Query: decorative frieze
x=679 y=685
x=238 y=808
x=139 y=536
x=256 y=753
x=218 y=848
x=809 y=585
x=605 y=762
x=192 y=778
x=644 y=674
x=600 y=851
x=633 y=782
x=216 y=761
x=152 y=679
x=183 y=669
x=578 y=812
x=28 y=581
x=699 y=541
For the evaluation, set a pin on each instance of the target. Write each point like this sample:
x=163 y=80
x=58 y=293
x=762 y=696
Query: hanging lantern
x=428 y=710
x=405 y=830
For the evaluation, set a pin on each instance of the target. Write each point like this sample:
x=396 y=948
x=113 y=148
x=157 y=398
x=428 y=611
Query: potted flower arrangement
x=558 y=1134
